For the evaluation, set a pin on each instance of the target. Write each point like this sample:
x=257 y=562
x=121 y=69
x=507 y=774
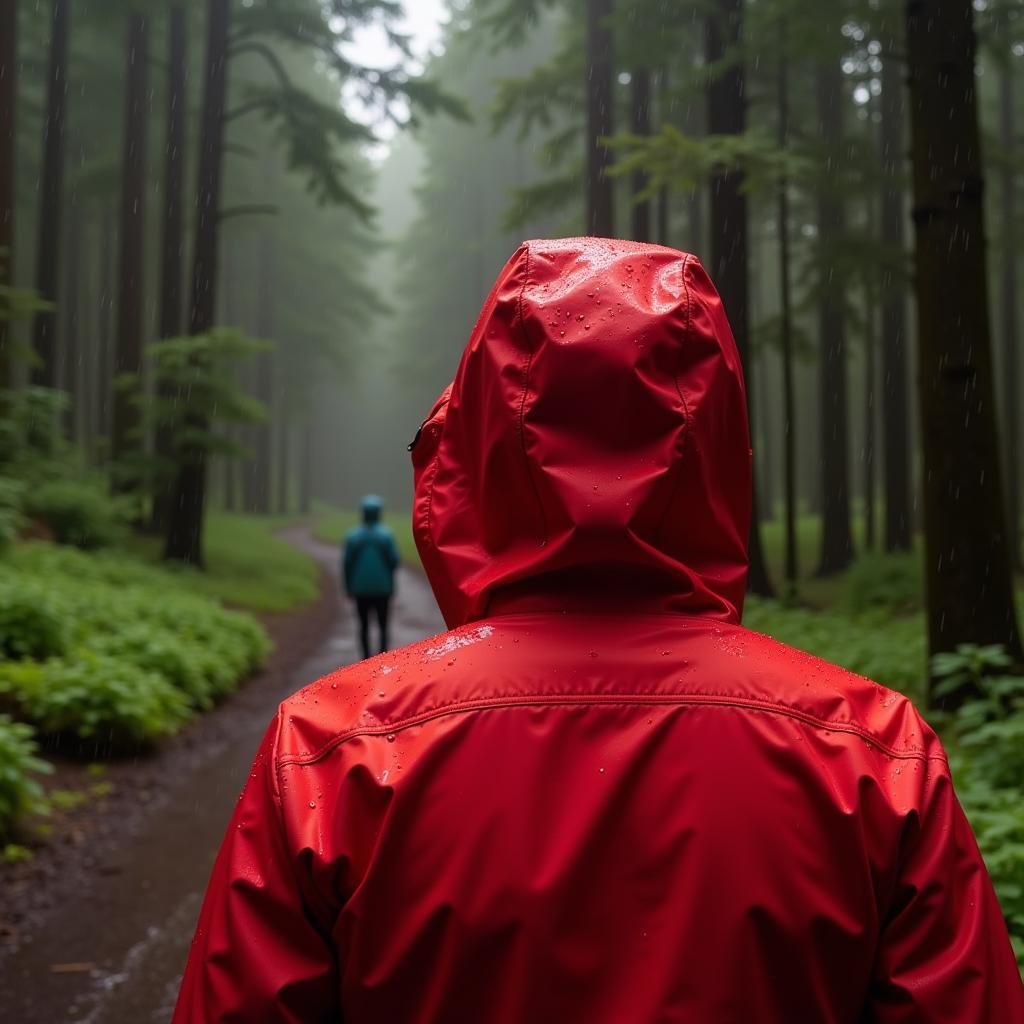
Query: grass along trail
x=110 y=946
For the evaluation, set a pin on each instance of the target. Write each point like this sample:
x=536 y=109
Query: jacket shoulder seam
x=568 y=699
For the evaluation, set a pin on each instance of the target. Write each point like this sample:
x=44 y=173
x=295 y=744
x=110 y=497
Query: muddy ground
x=95 y=928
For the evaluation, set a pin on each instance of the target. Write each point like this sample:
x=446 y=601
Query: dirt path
x=112 y=949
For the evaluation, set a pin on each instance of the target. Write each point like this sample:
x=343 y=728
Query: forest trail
x=114 y=954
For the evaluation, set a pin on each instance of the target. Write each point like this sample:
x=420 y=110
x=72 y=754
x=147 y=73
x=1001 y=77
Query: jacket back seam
x=556 y=699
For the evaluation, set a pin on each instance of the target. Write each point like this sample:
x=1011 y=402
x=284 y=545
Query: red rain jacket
x=598 y=799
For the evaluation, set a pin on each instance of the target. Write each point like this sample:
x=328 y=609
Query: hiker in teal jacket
x=369 y=567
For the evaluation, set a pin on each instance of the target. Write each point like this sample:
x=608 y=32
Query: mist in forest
x=247 y=242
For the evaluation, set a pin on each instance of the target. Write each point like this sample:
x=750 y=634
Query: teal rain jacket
x=370 y=557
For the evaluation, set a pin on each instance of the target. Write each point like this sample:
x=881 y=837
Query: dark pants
x=379 y=606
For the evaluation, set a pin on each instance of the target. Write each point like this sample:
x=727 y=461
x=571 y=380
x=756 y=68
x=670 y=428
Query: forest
x=242 y=246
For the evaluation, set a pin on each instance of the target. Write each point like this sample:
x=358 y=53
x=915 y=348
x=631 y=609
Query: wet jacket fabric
x=598 y=798
x=370 y=557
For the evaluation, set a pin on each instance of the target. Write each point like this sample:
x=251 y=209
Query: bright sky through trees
x=423 y=23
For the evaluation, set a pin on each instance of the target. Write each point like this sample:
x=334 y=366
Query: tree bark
x=836 y=540
x=895 y=391
x=727 y=115
x=600 y=88
x=786 y=328
x=1008 y=290
x=869 y=426
x=306 y=467
x=44 y=334
x=694 y=127
x=8 y=104
x=263 y=454
x=128 y=356
x=103 y=325
x=71 y=354
x=664 y=209
x=172 y=240
x=185 y=526
x=641 y=125
x=284 y=452
x=967 y=550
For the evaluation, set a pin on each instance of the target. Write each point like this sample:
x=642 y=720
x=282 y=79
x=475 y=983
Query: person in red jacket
x=598 y=799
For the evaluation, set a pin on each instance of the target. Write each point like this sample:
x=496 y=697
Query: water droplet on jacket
x=593 y=654
x=312 y=803
x=380 y=693
x=601 y=770
x=391 y=737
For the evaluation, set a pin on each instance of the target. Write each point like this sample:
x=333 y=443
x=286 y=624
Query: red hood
x=594 y=439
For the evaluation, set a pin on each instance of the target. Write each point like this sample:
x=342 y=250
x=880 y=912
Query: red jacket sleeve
x=944 y=954
x=262 y=950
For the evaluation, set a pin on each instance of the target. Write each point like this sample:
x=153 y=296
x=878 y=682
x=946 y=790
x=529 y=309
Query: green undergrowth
x=985 y=742
x=105 y=648
x=889 y=649
x=109 y=651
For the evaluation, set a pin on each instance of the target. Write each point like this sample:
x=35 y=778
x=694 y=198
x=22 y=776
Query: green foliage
x=97 y=698
x=197 y=383
x=313 y=132
x=670 y=157
x=891 y=650
x=985 y=741
x=887 y=583
x=31 y=623
x=122 y=649
x=20 y=793
x=32 y=445
x=197 y=391
x=12 y=493
x=79 y=513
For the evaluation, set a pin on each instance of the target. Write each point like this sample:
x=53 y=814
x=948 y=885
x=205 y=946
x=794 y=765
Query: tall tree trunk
x=836 y=540
x=693 y=127
x=869 y=424
x=641 y=125
x=44 y=335
x=89 y=398
x=128 y=356
x=1008 y=289
x=306 y=467
x=8 y=103
x=284 y=451
x=895 y=391
x=600 y=86
x=664 y=210
x=71 y=355
x=968 y=579
x=103 y=324
x=727 y=115
x=263 y=455
x=786 y=326
x=185 y=527
x=172 y=240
